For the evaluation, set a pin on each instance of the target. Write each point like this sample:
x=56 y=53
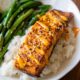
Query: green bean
x=23 y=1
x=9 y=13
x=17 y=31
x=24 y=29
x=21 y=18
x=1 y=41
x=16 y=24
x=5 y=48
x=1 y=26
x=27 y=5
x=1 y=59
x=4 y=30
x=2 y=53
x=3 y=15
x=20 y=32
x=40 y=12
x=43 y=7
x=33 y=20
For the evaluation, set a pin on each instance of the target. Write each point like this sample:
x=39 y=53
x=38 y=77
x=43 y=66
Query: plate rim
x=69 y=69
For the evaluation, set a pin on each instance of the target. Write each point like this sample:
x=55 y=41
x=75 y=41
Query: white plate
x=68 y=6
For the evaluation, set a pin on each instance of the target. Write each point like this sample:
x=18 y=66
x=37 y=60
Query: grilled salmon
x=35 y=51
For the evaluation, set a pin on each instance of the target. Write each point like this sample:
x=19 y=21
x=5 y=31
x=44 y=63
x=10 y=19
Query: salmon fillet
x=37 y=46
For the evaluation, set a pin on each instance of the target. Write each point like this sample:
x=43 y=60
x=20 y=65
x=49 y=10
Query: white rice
x=62 y=52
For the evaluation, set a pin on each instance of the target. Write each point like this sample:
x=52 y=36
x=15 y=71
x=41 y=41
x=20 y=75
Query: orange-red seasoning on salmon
x=37 y=46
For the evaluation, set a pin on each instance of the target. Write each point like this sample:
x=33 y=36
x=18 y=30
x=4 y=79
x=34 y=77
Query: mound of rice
x=61 y=53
